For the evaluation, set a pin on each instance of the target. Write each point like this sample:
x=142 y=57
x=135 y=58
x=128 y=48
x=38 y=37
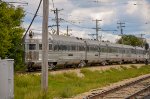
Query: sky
x=79 y=16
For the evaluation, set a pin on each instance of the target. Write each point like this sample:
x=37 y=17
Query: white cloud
x=110 y=37
x=73 y=10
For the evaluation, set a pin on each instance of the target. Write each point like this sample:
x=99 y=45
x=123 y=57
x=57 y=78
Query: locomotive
x=72 y=51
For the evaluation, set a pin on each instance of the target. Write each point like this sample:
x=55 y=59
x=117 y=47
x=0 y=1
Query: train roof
x=94 y=42
x=62 y=38
x=140 y=48
x=67 y=39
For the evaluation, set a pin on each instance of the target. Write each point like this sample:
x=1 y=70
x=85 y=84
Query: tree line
x=11 y=32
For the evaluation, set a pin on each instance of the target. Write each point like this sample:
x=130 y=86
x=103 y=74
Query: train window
x=40 y=46
x=68 y=47
x=103 y=49
x=81 y=48
x=55 y=47
x=73 y=47
x=32 y=46
x=137 y=51
x=132 y=51
x=141 y=52
x=93 y=48
x=87 y=48
x=50 y=46
x=121 y=50
x=63 y=47
x=110 y=50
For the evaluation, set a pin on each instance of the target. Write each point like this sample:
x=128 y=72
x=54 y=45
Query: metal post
x=57 y=21
x=146 y=60
x=67 y=31
x=45 y=45
x=146 y=49
x=97 y=28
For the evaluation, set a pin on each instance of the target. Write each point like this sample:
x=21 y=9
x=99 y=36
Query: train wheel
x=103 y=63
x=29 y=69
x=82 y=64
x=120 y=62
x=51 y=66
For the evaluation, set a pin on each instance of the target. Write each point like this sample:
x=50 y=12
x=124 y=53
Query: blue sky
x=79 y=16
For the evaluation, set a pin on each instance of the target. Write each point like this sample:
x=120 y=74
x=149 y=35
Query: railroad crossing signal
x=31 y=34
x=146 y=46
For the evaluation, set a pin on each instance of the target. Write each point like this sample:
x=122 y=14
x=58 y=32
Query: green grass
x=27 y=86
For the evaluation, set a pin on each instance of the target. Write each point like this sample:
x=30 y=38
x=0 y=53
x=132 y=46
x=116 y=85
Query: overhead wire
x=32 y=20
x=77 y=25
x=37 y=14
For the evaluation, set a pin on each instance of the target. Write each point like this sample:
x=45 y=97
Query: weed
x=133 y=66
x=28 y=86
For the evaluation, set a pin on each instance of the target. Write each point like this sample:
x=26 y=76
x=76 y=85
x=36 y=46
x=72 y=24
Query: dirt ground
x=93 y=68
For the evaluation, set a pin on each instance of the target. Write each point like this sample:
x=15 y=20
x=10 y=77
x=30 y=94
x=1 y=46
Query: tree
x=11 y=31
x=131 y=40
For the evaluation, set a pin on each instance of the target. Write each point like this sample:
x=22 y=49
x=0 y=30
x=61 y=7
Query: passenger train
x=72 y=51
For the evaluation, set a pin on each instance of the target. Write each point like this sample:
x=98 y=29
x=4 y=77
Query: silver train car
x=66 y=51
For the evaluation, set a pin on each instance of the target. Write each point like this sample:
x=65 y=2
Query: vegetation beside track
x=27 y=86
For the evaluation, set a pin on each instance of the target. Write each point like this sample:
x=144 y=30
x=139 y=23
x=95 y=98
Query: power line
x=32 y=20
x=26 y=3
x=37 y=14
x=78 y=25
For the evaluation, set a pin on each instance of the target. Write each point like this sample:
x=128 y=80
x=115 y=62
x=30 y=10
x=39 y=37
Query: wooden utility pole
x=68 y=30
x=57 y=19
x=121 y=29
x=142 y=39
x=44 y=77
x=97 y=28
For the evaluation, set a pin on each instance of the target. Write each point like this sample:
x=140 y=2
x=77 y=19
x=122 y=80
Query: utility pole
x=121 y=25
x=68 y=30
x=44 y=77
x=97 y=28
x=57 y=19
x=121 y=31
x=142 y=35
x=142 y=39
x=57 y=22
x=104 y=30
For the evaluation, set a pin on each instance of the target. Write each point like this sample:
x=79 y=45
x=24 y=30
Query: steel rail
x=147 y=89
x=104 y=93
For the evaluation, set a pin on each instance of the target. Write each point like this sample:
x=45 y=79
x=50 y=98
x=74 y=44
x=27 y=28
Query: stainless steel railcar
x=65 y=51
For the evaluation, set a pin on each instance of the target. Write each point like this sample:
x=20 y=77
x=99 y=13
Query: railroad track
x=137 y=89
